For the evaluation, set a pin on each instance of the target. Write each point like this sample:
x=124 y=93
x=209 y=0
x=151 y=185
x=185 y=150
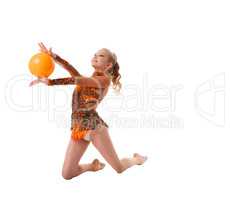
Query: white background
x=174 y=55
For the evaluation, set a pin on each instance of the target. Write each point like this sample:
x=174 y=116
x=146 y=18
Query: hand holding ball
x=41 y=65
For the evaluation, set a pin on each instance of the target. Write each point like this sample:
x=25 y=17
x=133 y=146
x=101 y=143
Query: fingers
x=40 y=80
x=50 y=51
x=44 y=80
x=40 y=45
x=43 y=47
x=34 y=82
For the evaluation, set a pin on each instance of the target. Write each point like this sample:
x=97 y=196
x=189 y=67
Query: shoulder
x=101 y=78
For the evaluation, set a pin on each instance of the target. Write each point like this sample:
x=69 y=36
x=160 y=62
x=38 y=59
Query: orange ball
x=41 y=65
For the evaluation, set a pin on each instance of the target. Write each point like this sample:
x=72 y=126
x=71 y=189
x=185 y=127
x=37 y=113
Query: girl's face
x=101 y=60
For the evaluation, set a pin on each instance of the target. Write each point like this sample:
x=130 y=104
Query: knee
x=68 y=172
x=119 y=170
x=66 y=175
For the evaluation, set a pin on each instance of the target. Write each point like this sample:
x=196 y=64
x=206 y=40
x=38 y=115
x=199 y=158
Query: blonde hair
x=114 y=71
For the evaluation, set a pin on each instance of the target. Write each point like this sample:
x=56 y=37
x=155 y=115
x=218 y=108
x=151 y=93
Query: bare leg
x=71 y=167
x=101 y=140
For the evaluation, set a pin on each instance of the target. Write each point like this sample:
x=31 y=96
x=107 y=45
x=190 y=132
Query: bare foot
x=97 y=165
x=140 y=159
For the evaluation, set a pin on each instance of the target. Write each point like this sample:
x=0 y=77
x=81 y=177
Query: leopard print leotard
x=85 y=99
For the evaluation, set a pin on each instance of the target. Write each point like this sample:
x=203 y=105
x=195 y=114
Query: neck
x=98 y=70
x=101 y=72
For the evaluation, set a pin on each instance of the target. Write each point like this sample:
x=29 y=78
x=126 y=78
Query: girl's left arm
x=66 y=65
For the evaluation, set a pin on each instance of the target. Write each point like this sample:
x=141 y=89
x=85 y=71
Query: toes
x=135 y=155
x=102 y=165
x=145 y=158
x=141 y=159
x=97 y=165
x=95 y=162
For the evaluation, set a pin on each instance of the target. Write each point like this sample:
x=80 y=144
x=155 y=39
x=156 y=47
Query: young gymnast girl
x=86 y=124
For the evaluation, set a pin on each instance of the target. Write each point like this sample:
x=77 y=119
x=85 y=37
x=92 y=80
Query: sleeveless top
x=84 y=100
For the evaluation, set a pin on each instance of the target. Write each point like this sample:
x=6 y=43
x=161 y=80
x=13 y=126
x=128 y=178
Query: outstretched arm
x=62 y=81
x=67 y=66
x=96 y=81
x=58 y=81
